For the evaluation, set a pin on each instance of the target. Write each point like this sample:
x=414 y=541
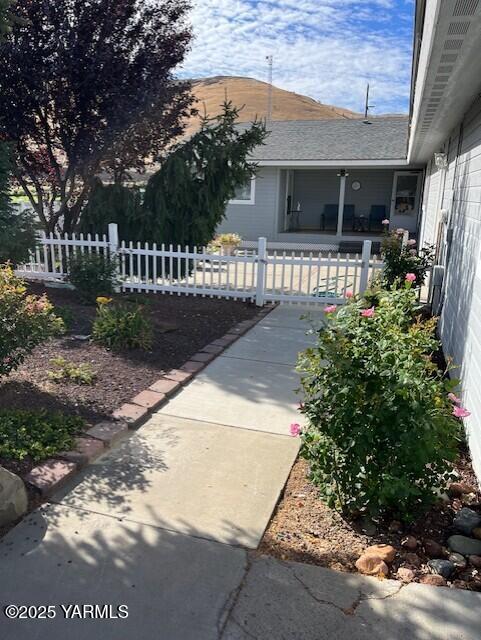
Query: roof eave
x=335 y=163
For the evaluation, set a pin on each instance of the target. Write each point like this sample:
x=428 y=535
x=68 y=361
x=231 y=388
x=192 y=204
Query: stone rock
x=368 y=527
x=433 y=549
x=410 y=543
x=13 y=497
x=476 y=533
x=384 y=551
x=371 y=565
x=413 y=559
x=433 y=579
x=405 y=574
x=466 y=520
x=458 y=489
x=441 y=567
x=460 y=584
x=465 y=546
x=475 y=561
x=458 y=560
x=395 y=526
x=81 y=337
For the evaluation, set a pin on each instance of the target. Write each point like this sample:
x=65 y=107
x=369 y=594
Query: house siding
x=259 y=219
x=460 y=322
x=311 y=189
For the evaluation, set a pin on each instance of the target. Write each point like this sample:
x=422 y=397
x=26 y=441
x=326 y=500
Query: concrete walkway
x=167 y=524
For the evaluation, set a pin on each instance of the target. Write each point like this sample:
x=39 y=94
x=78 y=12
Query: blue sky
x=327 y=49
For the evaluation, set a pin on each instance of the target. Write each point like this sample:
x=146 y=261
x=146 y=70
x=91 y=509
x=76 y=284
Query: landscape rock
x=368 y=527
x=386 y=552
x=476 y=533
x=475 y=561
x=433 y=579
x=458 y=560
x=466 y=520
x=410 y=543
x=405 y=574
x=458 y=489
x=413 y=559
x=433 y=549
x=371 y=565
x=465 y=546
x=395 y=526
x=441 y=567
x=460 y=584
x=13 y=497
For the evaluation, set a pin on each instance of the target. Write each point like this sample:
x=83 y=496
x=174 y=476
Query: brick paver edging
x=51 y=474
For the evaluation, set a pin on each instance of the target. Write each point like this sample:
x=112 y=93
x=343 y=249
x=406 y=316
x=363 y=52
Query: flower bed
x=382 y=444
x=74 y=376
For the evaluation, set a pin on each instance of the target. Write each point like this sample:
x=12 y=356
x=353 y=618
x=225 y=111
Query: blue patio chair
x=329 y=217
x=376 y=216
x=348 y=219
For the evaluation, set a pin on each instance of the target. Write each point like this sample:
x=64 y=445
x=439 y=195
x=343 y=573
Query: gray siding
x=259 y=219
x=460 y=323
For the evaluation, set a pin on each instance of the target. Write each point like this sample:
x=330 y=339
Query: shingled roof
x=343 y=139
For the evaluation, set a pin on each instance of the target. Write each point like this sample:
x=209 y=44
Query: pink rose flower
x=349 y=294
x=454 y=398
x=410 y=277
x=411 y=243
x=330 y=308
x=295 y=429
x=367 y=313
x=400 y=232
x=385 y=221
x=460 y=412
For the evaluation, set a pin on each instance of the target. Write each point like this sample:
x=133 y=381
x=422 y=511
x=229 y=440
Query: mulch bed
x=304 y=529
x=183 y=325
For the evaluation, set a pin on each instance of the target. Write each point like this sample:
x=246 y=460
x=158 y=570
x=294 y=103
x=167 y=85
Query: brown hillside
x=252 y=95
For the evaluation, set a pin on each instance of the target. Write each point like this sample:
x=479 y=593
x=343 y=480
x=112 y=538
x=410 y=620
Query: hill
x=253 y=96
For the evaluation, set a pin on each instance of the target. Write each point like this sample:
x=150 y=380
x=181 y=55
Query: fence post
x=113 y=251
x=261 y=271
x=366 y=258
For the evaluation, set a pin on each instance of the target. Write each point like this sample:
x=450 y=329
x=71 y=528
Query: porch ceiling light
x=441 y=160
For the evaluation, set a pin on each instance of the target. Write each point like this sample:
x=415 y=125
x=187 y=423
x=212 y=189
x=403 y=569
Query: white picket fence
x=258 y=274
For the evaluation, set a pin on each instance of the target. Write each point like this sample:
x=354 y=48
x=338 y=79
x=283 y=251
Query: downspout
x=449 y=222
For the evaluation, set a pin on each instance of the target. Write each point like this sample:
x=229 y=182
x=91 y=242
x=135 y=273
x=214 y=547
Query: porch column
x=342 y=196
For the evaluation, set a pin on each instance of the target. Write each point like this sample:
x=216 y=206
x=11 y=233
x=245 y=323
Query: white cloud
x=327 y=49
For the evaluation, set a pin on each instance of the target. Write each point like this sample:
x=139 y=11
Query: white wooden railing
x=257 y=274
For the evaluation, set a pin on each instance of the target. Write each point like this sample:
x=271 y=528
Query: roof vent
x=449 y=57
x=465 y=7
x=458 y=28
x=453 y=44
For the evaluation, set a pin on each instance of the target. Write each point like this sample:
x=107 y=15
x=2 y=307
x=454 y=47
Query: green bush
x=71 y=371
x=93 y=275
x=25 y=321
x=121 y=326
x=400 y=260
x=36 y=434
x=381 y=432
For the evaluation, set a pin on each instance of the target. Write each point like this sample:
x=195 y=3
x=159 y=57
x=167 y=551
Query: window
x=246 y=193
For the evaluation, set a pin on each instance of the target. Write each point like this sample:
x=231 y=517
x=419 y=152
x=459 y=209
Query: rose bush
x=25 y=321
x=400 y=260
x=381 y=430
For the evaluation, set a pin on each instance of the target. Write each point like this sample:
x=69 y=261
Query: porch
x=339 y=206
